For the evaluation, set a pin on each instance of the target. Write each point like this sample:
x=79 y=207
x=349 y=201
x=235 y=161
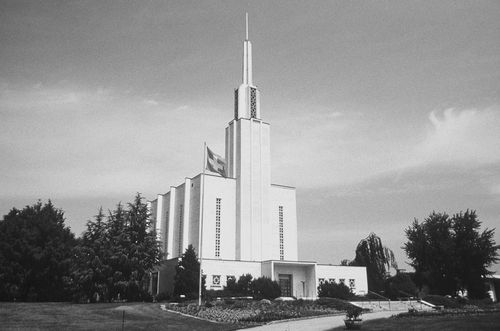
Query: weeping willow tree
x=377 y=259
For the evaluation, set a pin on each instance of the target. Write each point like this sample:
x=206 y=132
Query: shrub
x=400 y=285
x=333 y=303
x=353 y=313
x=244 y=284
x=265 y=288
x=334 y=290
x=163 y=296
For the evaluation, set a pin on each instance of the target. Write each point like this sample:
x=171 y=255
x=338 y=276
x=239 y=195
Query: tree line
x=41 y=260
x=449 y=255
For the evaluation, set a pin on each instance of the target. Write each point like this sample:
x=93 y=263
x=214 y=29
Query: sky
x=381 y=112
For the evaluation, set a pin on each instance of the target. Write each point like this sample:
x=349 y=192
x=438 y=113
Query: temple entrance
x=285 y=282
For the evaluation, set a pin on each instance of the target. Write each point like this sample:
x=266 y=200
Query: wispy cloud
x=151 y=102
x=75 y=141
x=352 y=147
x=460 y=138
x=42 y=98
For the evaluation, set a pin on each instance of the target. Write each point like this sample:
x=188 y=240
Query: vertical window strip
x=282 y=245
x=236 y=104
x=181 y=227
x=217 y=226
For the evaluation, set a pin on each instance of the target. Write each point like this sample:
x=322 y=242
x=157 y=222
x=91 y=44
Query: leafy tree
x=377 y=259
x=265 y=288
x=186 y=281
x=334 y=290
x=449 y=254
x=35 y=254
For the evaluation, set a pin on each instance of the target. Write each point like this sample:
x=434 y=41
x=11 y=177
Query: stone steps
x=382 y=305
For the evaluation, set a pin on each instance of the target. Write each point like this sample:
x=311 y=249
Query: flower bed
x=256 y=312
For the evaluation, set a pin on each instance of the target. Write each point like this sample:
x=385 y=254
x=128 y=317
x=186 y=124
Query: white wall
x=336 y=272
x=226 y=268
x=223 y=188
x=281 y=196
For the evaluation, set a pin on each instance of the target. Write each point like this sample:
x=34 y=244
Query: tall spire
x=247 y=57
x=246 y=30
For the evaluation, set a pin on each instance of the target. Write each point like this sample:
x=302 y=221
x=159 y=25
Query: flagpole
x=200 y=226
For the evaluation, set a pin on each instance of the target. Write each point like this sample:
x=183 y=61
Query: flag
x=215 y=163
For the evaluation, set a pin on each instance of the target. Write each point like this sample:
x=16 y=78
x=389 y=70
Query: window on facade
x=181 y=227
x=352 y=283
x=282 y=243
x=229 y=278
x=236 y=104
x=253 y=102
x=217 y=226
x=321 y=280
x=216 y=280
x=342 y=281
x=331 y=280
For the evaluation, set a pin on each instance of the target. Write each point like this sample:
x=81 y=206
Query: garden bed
x=251 y=312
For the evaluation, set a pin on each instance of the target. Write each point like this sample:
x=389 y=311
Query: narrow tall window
x=253 y=102
x=181 y=227
x=282 y=245
x=217 y=226
x=236 y=104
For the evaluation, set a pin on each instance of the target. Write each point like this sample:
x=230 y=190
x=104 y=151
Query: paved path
x=318 y=323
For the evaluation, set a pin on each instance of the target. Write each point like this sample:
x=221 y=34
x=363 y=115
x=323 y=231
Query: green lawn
x=488 y=321
x=67 y=316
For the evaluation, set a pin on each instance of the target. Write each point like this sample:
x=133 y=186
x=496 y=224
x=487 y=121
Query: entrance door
x=285 y=282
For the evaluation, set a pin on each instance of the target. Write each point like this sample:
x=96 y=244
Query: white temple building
x=237 y=220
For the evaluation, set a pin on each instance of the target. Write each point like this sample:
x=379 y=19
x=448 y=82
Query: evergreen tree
x=186 y=281
x=35 y=254
x=115 y=256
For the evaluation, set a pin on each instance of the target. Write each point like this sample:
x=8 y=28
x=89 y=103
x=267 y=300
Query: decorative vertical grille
x=165 y=240
x=217 y=227
x=282 y=246
x=253 y=102
x=236 y=104
x=181 y=227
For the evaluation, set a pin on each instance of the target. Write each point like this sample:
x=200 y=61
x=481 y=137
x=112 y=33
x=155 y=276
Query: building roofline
x=338 y=265
x=284 y=186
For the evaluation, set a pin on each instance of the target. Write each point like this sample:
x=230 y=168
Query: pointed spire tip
x=246 y=25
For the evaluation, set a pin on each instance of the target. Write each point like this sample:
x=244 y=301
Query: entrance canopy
x=296 y=278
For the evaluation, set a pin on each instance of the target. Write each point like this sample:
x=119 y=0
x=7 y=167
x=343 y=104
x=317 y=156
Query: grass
x=105 y=316
x=449 y=322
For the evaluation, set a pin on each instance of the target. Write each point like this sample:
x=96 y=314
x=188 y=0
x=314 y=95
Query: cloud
x=42 y=98
x=62 y=141
x=354 y=147
x=461 y=138
x=151 y=102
